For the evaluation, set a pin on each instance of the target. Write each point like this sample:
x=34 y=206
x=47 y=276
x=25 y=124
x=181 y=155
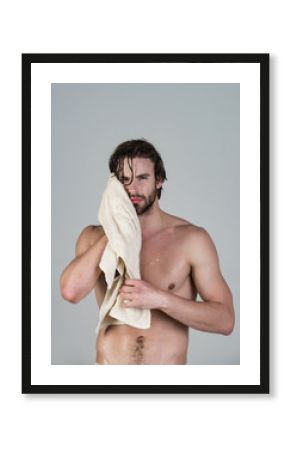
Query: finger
x=126 y=289
x=131 y=282
x=126 y=302
x=129 y=304
x=126 y=296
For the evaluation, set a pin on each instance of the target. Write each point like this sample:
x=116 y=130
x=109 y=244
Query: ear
x=159 y=183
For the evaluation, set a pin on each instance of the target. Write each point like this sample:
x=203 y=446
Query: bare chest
x=163 y=263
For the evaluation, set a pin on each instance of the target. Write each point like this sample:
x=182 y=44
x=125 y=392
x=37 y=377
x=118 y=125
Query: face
x=143 y=187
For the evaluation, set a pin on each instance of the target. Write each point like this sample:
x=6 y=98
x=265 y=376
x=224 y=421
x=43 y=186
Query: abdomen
x=165 y=342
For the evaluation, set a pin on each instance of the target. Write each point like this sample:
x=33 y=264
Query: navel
x=138 y=354
x=171 y=286
x=140 y=341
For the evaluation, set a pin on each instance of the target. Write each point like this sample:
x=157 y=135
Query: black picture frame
x=263 y=61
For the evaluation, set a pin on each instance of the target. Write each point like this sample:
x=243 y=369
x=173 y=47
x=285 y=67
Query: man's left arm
x=215 y=313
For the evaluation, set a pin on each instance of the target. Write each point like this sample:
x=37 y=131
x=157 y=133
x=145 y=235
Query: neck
x=152 y=220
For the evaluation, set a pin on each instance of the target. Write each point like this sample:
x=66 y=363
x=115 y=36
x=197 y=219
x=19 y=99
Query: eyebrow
x=137 y=176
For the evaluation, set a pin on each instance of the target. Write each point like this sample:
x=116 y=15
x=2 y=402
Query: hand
x=140 y=294
x=104 y=240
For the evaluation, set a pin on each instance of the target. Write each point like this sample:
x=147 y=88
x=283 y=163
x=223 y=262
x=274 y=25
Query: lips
x=135 y=199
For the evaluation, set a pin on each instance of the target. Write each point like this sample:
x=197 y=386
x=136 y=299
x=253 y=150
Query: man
x=177 y=261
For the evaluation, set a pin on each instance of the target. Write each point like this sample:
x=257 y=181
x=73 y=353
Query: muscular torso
x=163 y=264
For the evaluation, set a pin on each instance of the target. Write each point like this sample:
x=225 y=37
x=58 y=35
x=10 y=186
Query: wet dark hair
x=137 y=148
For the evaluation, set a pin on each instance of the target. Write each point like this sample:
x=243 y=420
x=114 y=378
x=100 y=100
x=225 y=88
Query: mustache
x=136 y=196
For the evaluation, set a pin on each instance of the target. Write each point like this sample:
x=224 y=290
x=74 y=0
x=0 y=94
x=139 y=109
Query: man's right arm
x=82 y=273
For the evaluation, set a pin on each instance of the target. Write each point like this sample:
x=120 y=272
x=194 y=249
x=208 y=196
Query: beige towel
x=119 y=219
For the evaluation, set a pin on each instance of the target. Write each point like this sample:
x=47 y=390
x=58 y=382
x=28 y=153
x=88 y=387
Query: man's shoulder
x=88 y=236
x=185 y=227
x=92 y=231
x=192 y=235
x=197 y=242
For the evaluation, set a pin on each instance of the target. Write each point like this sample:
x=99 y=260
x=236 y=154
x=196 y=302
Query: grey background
x=196 y=129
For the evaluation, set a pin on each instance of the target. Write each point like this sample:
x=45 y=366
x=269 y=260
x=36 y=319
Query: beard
x=147 y=203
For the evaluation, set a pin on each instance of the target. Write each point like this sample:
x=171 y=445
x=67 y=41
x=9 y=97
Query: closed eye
x=124 y=179
x=139 y=177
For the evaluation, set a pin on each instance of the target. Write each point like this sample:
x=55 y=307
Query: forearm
x=81 y=275
x=204 y=316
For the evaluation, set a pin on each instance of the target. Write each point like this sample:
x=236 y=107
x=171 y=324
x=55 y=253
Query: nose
x=131 y=188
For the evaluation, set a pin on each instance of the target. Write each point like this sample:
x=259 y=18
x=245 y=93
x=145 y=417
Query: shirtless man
x=178 y=260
